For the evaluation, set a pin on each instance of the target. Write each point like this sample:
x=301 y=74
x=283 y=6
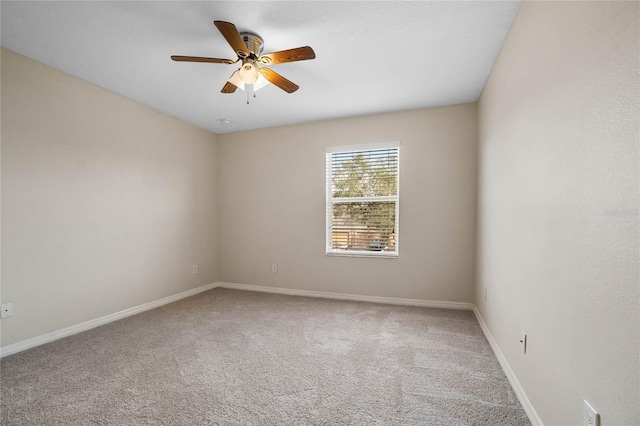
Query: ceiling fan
x=248 y=46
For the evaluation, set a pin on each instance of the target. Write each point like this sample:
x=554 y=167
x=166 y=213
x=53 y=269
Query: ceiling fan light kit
x=248 y=48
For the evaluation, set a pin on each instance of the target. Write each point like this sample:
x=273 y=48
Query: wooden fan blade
x=228 y=88
x=200 y=59
x=233 y=37
x=278 y=80
x=290 y=55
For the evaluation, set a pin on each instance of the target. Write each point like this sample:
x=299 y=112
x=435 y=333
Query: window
x=362 y=200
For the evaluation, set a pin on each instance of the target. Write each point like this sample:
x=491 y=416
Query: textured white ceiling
x=371 y=57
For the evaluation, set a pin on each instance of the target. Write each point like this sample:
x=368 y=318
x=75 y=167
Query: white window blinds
x=362 y=201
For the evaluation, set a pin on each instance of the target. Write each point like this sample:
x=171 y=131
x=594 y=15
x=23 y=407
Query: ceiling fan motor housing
x=254 y=43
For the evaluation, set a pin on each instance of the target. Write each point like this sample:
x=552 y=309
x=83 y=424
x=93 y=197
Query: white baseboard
x=354 y=297
x=87 y=325
x=515 y=384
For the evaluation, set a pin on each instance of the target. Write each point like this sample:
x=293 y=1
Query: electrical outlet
x=523 y=341
x=195 y=269
x=591 y=416
x=274 y=268
x=6 y=310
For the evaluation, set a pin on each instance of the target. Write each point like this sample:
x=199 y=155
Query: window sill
x=362 y=254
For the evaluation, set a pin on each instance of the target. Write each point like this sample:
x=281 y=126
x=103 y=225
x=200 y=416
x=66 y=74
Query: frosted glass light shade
x=248 y=73
x=260 y=82
x=236 y=80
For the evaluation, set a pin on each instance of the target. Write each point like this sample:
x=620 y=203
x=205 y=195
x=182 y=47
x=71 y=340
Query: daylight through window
x=362 y=200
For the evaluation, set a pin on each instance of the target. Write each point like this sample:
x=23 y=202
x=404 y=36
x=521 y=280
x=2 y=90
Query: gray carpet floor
x=233 y=357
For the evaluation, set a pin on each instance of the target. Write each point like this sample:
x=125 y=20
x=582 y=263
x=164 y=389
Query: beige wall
x=106 y=204
x=558 y=207
x=272 y=206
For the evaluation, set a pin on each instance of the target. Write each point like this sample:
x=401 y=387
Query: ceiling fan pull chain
x=249 y=88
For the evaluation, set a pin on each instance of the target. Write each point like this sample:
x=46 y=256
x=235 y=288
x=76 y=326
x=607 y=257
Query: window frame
x=329 y=201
